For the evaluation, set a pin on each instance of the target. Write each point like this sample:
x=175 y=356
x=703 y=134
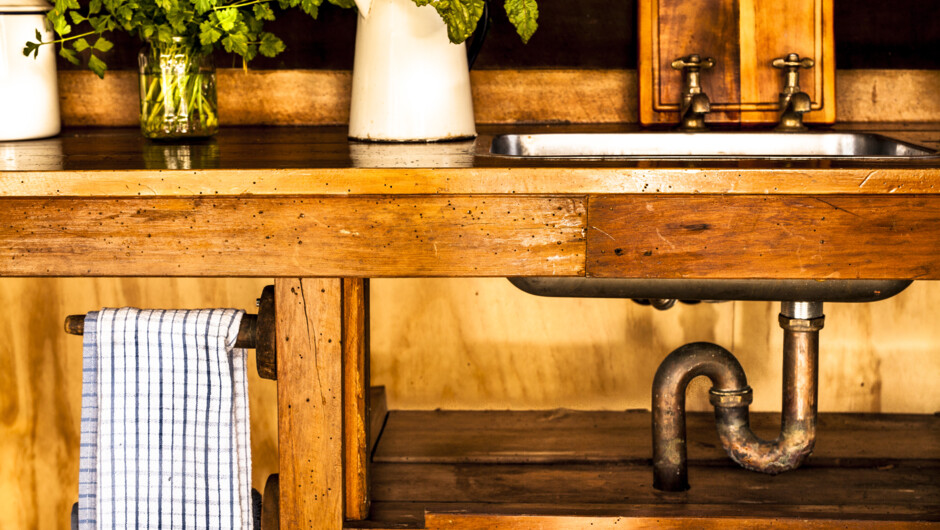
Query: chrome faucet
x=695 y=103
x=793 y=101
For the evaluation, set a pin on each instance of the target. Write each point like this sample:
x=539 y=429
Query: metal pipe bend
x=731 y=397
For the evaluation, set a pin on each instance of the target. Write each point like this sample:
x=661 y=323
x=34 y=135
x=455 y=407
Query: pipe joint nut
x=802 y=324
x=731 y=398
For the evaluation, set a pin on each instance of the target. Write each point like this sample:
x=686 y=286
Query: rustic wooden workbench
x=321 y=215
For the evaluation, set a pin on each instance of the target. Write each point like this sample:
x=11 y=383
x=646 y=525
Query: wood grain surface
x=743 y=37
x=310 y=402
x=564 y=436
x=832 y=237
x=40 y=384
x=255 y=236
x=910 y=489
x=321 y=97
x=356 y=394
x=456 y=344
x=568 y=469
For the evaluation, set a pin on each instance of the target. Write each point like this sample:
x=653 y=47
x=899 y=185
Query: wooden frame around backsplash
x=754 y=87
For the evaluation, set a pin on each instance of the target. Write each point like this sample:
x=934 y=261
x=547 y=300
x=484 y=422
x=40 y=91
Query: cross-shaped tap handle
x=793 y=61
x=693 y=61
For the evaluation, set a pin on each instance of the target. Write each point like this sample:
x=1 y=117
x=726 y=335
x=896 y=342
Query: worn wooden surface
x=505 y=97
x=40 y=384
x=748 y=236
x=356 y=394
x=310 y=402
x=320 y=161
x=256 y=236
x=465 y=468
x=565 y=436
x=743 y=37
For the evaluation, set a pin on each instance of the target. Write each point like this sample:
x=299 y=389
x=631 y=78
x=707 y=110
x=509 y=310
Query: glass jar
x=177 y=91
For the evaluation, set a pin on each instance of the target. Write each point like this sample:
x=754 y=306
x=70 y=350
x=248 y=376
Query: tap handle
x=793 y=61
x=693 y=62
x=791 y=64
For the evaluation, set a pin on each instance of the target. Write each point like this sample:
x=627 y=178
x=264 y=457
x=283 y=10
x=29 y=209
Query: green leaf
x=263 y=11
x=81 y=45
x=38 y=36
x=461 y=16
x=202 y=6
x=311 y=7
x=227 y=18
x=271 y=45
x=103 y=45
x=97 y=65
x=77 y=17
x=69 y=55
x=344 y=3
x=100 y=24
x=178 y=19
x=208 y=34
x=61 y=26
x=164 y=33
x=31 y=48
x=94 y=7
x=524 y=15
x=235 y=43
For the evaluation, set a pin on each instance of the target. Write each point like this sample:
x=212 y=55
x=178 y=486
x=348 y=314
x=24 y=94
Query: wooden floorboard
x=570 y=469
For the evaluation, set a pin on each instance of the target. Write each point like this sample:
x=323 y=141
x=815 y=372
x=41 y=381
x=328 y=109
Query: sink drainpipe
x=731 y=395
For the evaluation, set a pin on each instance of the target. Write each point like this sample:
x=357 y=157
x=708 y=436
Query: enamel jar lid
x=24 y=6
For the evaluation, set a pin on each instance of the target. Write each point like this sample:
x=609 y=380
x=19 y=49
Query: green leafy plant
x=203 y=25
x=462 y=16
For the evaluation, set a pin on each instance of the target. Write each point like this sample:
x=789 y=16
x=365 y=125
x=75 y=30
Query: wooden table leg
x=323 y=392
x=356 y=397
x=309 y=402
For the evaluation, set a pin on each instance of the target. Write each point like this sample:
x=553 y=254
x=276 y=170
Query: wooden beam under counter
x=630 y=235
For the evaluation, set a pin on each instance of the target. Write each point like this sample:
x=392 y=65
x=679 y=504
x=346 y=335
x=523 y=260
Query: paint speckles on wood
x=271 y=236
x=310 y=402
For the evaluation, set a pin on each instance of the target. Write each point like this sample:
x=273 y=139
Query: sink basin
x=684 y=289
x=705 y=145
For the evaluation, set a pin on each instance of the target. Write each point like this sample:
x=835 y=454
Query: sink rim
x=831 y=290
x=490 y=145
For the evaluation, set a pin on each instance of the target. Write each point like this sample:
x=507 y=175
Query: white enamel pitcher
x=410 y=83
x=29 y=92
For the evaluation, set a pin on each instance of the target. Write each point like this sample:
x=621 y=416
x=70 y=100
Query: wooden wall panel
x=455 y=344
x=321 y=97
x=40 y=384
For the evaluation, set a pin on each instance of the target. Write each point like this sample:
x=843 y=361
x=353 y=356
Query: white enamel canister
x=29 y=94
x=409 y=82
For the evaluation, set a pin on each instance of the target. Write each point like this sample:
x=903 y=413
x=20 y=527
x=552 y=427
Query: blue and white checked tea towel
x=164 y=437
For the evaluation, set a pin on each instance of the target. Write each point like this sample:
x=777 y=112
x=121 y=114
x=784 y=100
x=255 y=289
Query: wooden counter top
x=306 y=202
x=321 y=161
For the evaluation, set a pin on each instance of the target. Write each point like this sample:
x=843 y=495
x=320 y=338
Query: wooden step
x=576 y=469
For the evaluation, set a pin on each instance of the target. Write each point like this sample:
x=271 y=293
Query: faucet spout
x=794 y=106
x=693 y=111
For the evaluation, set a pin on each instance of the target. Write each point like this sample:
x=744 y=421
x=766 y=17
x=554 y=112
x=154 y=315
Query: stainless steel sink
x=683 y=289
x=645 y=145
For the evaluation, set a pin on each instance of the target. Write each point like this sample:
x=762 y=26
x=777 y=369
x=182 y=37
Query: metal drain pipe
x=731 y=396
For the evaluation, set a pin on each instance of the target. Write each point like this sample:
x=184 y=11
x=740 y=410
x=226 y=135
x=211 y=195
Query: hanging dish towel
x=164 y=437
